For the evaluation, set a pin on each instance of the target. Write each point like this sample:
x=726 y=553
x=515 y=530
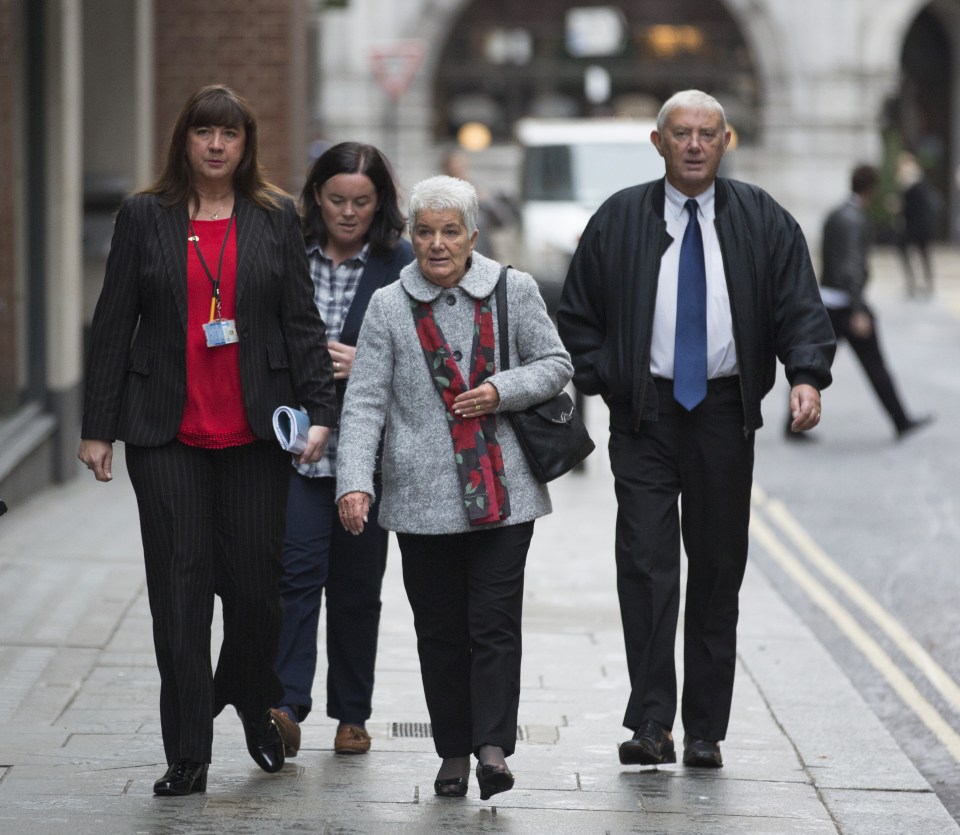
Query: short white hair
x=442 y=193
x=695 y=99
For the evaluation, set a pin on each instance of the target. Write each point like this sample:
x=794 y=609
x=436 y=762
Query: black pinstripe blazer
x=136 y=369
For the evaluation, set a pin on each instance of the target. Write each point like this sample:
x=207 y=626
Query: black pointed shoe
x=701 y=753
x=264 y=741
x=182 y=778
x=493 y=779
x=652 y=744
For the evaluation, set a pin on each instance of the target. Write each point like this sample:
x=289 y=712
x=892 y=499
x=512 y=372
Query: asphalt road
x=861 y=533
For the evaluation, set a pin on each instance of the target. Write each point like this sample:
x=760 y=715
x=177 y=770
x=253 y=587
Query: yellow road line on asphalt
x=904 y=641
x=849 y=626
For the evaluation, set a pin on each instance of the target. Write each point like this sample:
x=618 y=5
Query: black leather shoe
x=182 y=778
x=493 y=779
x=701 y=753
x=264 y=741
x=652 y=744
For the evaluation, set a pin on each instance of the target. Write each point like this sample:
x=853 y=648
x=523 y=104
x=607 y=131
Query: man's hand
x=861 y=324
x=805 y=407
x=98 y=456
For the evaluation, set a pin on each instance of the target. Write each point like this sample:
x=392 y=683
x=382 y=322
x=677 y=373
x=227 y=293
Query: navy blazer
x=379 y=271
x=136 y=372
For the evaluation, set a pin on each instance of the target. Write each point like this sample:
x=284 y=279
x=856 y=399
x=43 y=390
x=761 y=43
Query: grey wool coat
x=391 y=389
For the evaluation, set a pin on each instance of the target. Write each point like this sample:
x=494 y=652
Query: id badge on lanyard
x=218 y=331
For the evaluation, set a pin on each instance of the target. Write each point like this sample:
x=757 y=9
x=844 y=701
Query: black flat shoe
x=451 y=786
x=264 y=741
x=493 y=780
x=182 y=778
x=652 y=744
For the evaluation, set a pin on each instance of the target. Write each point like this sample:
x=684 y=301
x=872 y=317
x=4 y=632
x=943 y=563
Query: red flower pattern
x=476 y=449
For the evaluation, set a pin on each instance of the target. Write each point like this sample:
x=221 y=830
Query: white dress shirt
x=721 y=351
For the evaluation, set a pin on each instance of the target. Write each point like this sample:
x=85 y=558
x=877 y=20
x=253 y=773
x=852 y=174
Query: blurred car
x=569 y=167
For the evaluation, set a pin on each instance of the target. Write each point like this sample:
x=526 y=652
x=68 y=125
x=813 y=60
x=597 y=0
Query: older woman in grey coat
x=456 y=487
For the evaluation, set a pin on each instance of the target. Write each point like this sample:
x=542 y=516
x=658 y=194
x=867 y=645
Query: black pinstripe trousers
x=212 y=522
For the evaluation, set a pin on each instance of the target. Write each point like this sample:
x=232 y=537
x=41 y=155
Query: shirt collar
x=676 y=201
x=314 y=248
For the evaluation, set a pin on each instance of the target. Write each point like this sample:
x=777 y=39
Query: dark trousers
x=704 y=458
x=868 y=352
x=211 y=523
x=319 y=554
x=466 y=592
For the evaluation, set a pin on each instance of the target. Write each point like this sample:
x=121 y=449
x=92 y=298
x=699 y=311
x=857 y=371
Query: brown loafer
x=289 y=732
x=351 y=739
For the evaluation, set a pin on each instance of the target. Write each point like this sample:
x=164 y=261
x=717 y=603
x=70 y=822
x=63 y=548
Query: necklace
x=214 y=215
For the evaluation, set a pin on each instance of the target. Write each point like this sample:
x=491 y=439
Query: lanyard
x=215 y=284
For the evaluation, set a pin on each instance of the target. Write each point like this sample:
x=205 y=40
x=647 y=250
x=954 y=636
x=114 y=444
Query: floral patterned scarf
x=475 y=445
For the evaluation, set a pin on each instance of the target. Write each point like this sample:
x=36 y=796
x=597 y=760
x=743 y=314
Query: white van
x=569 y=167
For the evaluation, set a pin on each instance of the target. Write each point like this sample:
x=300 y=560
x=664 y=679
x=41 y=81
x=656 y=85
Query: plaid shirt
x=334 y=289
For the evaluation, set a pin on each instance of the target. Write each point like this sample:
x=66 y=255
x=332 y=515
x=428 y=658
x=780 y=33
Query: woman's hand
x=354 y=508
x=342 y=356
x=482 y=400
x=98 y=456
x=317 y=437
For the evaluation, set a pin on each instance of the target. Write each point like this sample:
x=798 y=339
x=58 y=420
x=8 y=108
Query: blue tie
x=690 y=347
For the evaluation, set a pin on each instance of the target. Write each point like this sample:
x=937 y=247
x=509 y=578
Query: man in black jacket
x=713 y=277
x=846 y=243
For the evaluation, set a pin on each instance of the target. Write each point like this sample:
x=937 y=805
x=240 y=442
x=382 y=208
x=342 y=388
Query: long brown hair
x=214 y=105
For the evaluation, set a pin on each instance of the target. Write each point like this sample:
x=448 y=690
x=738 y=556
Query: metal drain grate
x=411 y=730
x=423 y=730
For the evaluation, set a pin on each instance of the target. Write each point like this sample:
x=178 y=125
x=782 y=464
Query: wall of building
x=825 y=71
x=10 y=289
x=253 y=46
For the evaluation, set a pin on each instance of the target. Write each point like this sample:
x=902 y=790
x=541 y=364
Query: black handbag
x=552 y=434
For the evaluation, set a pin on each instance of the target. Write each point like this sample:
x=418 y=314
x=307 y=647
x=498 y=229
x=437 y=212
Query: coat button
x=451 y=299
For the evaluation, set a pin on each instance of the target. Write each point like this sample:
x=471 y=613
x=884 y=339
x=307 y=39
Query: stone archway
x=928 y=112
x=501 y=60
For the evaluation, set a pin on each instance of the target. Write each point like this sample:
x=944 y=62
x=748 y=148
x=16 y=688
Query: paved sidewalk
x=80 y=740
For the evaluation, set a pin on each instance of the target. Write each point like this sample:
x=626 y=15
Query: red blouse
x=213 y=416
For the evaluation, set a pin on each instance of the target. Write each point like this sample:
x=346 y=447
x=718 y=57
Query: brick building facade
x=89 y=90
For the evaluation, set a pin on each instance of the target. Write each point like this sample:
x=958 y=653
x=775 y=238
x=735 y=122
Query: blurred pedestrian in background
x=352 y=224
x=680 y=297
x=204 y=326
x=921 y=205
x=847 y=237
x=456 y=486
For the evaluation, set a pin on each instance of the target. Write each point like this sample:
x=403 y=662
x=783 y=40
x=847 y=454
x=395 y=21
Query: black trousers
x=318 y=555
x=211 y=523
x=868 y=352
x=704 y=458
x=466 y=592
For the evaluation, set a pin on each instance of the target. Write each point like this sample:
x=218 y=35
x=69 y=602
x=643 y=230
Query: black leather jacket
x=606 y=309
x=846 y=242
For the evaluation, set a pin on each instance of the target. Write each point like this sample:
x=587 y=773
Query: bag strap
x=501 y=296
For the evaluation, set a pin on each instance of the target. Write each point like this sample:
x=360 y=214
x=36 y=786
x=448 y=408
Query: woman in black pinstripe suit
x=205 y=324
